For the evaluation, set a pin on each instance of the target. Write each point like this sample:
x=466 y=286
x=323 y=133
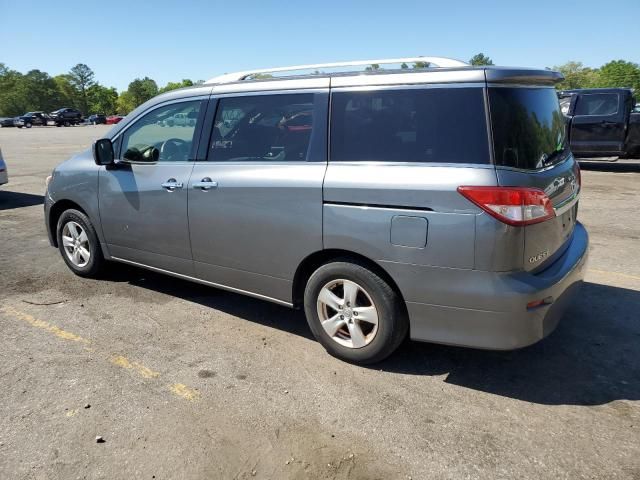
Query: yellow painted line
x=179 y=389
x=124 y=362
x=31 y=320
x=618 y=274
x=183 y=391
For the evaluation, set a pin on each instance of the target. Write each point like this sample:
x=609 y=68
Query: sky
x=172 y=40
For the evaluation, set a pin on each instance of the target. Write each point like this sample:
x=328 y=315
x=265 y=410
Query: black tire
x=28 y=125
x=393 y=324
x=67 y=123
x=96 y=262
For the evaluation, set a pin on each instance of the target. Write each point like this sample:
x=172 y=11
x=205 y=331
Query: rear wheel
x=354 y=313
x=78 y=244
x=28 y=125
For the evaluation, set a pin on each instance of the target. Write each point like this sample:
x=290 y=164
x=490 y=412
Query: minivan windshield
x=529 y=130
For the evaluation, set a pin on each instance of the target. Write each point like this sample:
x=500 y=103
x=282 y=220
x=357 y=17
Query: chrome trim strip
x=567 y=204
x=204 y=282
x=404 y=86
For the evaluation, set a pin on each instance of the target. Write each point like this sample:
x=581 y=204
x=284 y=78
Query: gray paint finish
x=462 y=273
x=260 y=222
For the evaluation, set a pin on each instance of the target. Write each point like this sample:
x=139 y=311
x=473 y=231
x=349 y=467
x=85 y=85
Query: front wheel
x=78 y=244
x=28 y=125
x=354 y=313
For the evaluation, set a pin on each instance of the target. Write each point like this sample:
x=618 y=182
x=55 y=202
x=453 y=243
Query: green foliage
x=81 y=78
x=125 y=103
x=577 y=75
x=102 y=99
x=175 y=85
x=619 y=73
x=480 y=59
x=142 y=89
x=421 y=65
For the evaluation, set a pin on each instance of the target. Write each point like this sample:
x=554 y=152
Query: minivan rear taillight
x=517 y=206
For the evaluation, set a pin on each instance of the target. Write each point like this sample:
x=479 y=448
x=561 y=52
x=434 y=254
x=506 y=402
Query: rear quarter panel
x=361 y=201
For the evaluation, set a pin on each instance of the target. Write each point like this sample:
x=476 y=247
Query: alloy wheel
x=347 y=313
x=76 y=244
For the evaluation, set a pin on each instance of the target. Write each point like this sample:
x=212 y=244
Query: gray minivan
x=435 y=203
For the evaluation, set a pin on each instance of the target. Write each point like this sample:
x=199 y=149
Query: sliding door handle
x=205 y=184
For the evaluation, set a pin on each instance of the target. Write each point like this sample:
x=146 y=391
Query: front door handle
x=205 y=184
x=171 y=184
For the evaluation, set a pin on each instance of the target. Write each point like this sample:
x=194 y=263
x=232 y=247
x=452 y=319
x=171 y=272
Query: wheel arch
x=312 y=262
x=54 y=215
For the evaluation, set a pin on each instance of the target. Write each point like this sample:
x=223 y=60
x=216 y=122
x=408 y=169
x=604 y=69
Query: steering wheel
x=171 y=148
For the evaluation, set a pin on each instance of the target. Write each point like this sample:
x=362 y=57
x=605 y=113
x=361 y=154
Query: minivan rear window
x=529 y=130
x=436 y=125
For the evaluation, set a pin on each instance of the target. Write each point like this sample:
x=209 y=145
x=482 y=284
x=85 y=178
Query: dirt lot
x=184 y=381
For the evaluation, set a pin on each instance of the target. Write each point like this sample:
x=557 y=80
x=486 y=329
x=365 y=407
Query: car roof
x=455 y=72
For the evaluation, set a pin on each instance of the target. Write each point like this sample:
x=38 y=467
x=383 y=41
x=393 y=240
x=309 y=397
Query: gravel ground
x=185 y=381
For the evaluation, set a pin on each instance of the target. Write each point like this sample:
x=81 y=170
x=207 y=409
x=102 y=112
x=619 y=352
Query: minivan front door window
x=165 y=134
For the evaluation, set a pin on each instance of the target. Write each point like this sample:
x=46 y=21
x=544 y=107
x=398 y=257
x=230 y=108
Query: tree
x=404 y=66
x=102 y=99
x=576 y=75
x=619 y=73
x=418 y=65
x=373 y=66
x=67 y=92
x=11 y=103
x=125 y=103
x=37 y=91
x=480 y=59
x=82 y=78
x=142 y=89
x=175 y=85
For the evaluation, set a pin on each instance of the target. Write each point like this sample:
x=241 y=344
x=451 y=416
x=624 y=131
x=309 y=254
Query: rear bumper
x=488 y=309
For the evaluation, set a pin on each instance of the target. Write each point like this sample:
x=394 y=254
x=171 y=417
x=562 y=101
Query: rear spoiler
x=524 y=76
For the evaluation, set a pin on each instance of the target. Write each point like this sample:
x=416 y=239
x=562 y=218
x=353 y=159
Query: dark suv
x=67 y=117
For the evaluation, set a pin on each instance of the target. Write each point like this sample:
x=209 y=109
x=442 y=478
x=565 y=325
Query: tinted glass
x=263 y=128
x=164 y=134
x=411 y=125
x=597 y=104
x=528 y=127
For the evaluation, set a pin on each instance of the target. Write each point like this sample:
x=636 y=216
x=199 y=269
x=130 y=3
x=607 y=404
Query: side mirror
x=103 y=152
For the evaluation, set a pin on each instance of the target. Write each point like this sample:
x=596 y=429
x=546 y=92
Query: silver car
x=436 y=203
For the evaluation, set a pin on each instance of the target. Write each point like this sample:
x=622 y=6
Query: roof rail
x=239 y=76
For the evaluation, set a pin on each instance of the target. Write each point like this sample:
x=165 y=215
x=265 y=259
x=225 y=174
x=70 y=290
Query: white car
x=181 y=120
x=4 y=175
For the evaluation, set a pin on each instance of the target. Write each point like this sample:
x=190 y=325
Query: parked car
x=31 y=119
x=97 y=119
x=181 y=120
x=6 y=122
x=67 y=117
x=602 y=122
x=439 y=203
x=4 y=175
x=113 y=119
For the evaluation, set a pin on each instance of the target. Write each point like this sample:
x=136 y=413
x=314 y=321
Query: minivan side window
x=436 y=125
x=274 y=127
x=165 y=134
x=597 y=104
